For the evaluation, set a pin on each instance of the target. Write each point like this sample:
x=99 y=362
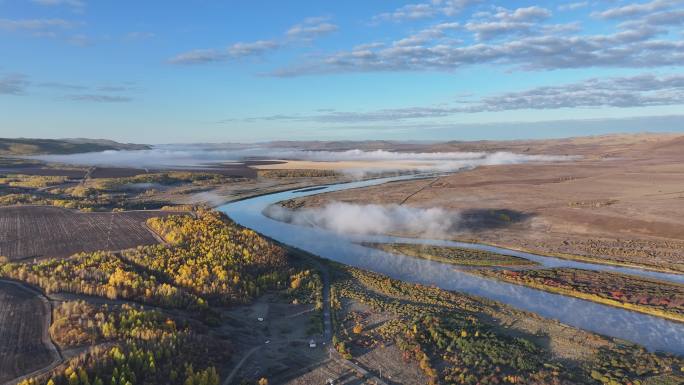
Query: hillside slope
x=23 y=146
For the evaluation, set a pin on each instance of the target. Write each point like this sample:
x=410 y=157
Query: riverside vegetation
x=662 y=299
x=452 y=340
x=452 y=255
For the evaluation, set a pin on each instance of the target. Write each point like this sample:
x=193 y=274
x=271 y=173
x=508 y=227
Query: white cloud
x=504 y=21
x=526 y=14
x=408 y=12
x=632 y=48
x=635 y=91
x=258 y=47
x=13 y=84
x=61 y=86
x=17 y=84
x=636 y=9
x=54 y=28
x=233 y=52
x=425 y=10
x=573 y=6
x=490 y=29
x=657 y=19
x=76 y=5
x=80 y=40
x=34 y=24
x=526 y=38
x=139 y=35
x=309 y=29
x=622 y=92
x=99 y=98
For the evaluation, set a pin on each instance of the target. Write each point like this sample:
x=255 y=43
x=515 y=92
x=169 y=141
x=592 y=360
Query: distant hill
x=22 y=146
x=581 y=145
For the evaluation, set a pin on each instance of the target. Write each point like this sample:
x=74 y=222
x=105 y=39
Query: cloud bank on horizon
x=410 y=70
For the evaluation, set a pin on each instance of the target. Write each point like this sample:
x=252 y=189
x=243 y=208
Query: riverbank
x=658 y=298
x=451 y=255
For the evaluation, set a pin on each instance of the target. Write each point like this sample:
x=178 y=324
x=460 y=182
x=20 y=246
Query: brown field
x=40 y=231
x=623 y=202
x=22 y=315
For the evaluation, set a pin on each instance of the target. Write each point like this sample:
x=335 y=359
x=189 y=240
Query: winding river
x=652 y=332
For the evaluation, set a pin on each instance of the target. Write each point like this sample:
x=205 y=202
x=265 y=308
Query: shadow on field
x=488 y=219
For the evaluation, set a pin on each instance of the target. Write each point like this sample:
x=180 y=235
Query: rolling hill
x=23 y=146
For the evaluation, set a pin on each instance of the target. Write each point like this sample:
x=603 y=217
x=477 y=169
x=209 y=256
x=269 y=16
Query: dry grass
x=623 y=202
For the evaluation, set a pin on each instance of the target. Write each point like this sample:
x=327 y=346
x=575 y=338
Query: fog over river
x=201 y=155
x=652 y=332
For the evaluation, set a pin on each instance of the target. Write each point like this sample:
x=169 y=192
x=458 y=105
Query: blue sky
x=193 y=71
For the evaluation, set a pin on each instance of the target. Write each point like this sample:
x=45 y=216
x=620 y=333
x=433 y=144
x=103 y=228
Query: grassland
x=620 y=203
x=644 y=295
x=452 y=255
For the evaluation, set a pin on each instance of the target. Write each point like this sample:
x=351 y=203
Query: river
x=652 y=332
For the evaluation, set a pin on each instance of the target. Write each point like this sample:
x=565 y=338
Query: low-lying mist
x=347 y=218
x=445 y=161
x=378 y=161
x=206 y=198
